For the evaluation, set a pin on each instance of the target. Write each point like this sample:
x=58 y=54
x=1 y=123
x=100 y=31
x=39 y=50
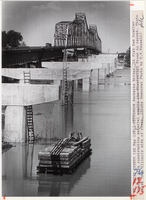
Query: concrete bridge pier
x=114 y=64
x=101 y=75
x=76 y=83
x=91 y=76
x=112 y=68
x=88 y=81
x=15 y=124
x=108 y=69
x=97 y=76
x=94 y=76
x=86 y=84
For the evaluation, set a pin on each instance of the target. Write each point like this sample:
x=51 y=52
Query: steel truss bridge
x=76 y=36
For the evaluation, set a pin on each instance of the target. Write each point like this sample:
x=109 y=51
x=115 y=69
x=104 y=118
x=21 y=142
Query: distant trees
x=128 y=56
x=12 y=39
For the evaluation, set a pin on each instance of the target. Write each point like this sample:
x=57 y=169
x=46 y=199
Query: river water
x=103 y=114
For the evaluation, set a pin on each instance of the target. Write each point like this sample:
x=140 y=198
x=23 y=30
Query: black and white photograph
x=66 y=99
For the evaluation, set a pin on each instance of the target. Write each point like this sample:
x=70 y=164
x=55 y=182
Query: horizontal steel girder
x=18 y=56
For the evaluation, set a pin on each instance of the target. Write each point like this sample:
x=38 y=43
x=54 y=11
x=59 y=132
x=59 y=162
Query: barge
x=64 y=156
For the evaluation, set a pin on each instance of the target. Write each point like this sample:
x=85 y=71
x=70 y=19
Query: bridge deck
x=34 y=55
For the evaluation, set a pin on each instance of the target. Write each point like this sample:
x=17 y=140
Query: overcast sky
x=36 y=20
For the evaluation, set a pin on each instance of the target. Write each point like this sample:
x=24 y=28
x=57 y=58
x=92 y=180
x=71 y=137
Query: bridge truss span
x=77 y=34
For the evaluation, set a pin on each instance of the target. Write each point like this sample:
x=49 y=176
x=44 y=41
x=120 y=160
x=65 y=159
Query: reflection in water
x=28 y=151
x=67 y=120
x=51 y=185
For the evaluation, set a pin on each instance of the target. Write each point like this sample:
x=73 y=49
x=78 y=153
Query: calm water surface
x=102 y=114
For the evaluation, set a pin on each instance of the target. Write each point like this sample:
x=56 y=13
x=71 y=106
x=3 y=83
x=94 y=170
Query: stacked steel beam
x=64 y=156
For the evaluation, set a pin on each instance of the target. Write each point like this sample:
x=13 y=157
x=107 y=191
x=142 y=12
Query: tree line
x=12 y=39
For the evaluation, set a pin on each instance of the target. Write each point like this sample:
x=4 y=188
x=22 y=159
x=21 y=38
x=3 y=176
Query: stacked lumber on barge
x=65 y=156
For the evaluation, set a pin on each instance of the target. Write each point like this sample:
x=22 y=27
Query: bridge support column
x=108 y=69
x=103 y=73
x=76 y=83
x=95 y=78
x=86 y=84
x=111 y=70
x=113 y=66
x=91 y=76
x=15 y=124
x=101 y=76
